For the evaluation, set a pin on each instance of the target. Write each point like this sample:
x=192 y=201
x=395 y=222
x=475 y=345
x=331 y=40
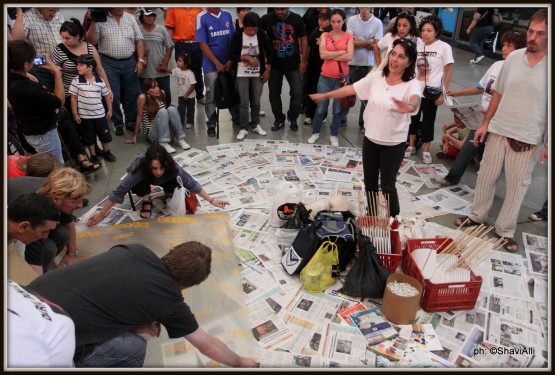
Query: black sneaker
x=278 y=124
x=95 y=159
x=294 y=126
x=211 y=132
x=108 y=156
x=119 y=130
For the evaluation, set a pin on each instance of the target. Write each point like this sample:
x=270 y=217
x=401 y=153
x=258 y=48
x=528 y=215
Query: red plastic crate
x=444 y=296
x=389 y=261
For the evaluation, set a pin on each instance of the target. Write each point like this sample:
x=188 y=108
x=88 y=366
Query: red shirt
x=13 y=169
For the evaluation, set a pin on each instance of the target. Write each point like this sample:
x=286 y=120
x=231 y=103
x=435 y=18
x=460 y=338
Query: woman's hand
x=95 y=219
x=133 y=140
x=439 y=101
x=68 y=260
x=316 y=98
x=403 y=107
x=219 y=203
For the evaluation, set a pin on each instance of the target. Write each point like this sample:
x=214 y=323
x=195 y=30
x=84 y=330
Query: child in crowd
x=185 y=87
x=87 y=90
x=453 y=138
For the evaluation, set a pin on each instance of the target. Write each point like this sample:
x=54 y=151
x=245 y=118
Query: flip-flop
x=465 y=221
x=145 y=210
x=510 y=245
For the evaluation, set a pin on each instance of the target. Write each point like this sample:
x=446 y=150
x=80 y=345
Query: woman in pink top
x=336 y=49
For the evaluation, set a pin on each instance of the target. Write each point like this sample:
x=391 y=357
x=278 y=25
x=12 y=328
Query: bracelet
x=211 y=200
x=74 y=254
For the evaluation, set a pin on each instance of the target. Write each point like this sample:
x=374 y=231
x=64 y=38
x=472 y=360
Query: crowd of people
x=109 y=74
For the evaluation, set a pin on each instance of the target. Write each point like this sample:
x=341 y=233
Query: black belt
x=111 y=58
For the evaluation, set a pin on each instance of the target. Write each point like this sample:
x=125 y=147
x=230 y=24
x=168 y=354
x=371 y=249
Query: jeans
x=121 y=75
x=125 y=350
x=48 y=143
x=196 y=63
x=295 y=81
x=356 y=73
x=164 y=84
x=209 y=103
x=478 y=37
x=186 y=109
x=166 y=126
x=326 y=84
x=467 y=152
x=250 y=91
x=543 y=211
x=382 y=163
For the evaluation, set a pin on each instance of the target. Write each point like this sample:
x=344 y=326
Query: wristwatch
x=142 y=60
x=73 y=254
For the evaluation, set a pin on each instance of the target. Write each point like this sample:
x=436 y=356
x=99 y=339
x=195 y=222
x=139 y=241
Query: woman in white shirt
x=439 y=58
x=393 y=96
x=404 y=27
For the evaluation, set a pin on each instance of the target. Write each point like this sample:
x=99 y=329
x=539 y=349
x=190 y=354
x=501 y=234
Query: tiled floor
x=464 y=75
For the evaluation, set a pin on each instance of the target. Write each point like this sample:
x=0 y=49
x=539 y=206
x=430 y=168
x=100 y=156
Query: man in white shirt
x=367 y=30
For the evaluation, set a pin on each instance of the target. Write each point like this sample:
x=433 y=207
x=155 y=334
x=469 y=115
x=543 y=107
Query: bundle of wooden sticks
x=374 y=220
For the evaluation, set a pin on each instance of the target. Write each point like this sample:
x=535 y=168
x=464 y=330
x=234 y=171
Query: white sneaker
x=307 y=121
x=334 y=141
x=188 y=126
x=409 y=152
x=427 y=158
x=184 y=145
x=242 y=134
x=261 y=113
x=168 y=148
x=258 y=130
x=313 y=138
x=478 y=59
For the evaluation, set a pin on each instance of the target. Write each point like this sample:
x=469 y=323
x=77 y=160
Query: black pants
x=143 y=187
x=382 y=163
x=427 y=111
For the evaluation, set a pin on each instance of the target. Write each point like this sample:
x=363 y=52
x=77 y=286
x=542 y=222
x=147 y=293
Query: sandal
x=146 y=210
x=91 y=168
x=510 y=245
x=465 y=221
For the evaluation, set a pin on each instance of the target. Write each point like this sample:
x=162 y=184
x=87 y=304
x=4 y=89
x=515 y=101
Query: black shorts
x=90 y=128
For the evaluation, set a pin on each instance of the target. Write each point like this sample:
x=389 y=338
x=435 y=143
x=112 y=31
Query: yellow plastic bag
x=323 y=269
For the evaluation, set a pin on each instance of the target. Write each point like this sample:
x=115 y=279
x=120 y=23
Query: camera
x=99 y=14
x=39 y=60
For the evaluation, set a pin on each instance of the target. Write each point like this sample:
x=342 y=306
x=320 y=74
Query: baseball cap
x=325 y=13
x=148 y=11
x=86 y=59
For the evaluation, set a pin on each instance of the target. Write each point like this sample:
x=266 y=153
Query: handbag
x=322 y=270
x=225 y=92
x=430 y=92
x=182 y=201
x=518 y=146
x=348 y=101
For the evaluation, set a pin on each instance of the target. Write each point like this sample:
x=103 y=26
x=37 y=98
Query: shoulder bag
x=348 y=101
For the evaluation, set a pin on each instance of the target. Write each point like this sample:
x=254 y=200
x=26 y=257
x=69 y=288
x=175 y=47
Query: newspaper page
x=422 y=335
x=511 y=333
x=336 y=174
x=409 y=182
x=413 y=207
x=537 y=263
x=250 y=219
x=256 y=285
x=470 y=114
x=344 y=344
x=278 y=359
x=271 y=332
x=320 y=307
x=532 y=242
x=444 y=200
x=373 y=326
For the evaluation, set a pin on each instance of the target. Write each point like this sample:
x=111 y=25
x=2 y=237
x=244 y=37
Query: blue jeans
x=196 y=63
x=125 y=350
x=356 y=73
x=467 y=152
x=209 y=103
x=478 y=37
x=48 y=143
x=167 y=125
x=121 y=75
x=326 y=84
x=250 y=91
x=295 y=81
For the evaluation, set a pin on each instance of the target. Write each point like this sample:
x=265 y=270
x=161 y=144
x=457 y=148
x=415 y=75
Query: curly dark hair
x=514 y=37
x=189 y=263
x=436 y=23
x=412 y=22
x=157 y=152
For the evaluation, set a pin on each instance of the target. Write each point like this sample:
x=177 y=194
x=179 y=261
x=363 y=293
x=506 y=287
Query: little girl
x=185 y=86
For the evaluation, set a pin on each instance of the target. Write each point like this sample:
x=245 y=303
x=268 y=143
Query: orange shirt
x=182 y=20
